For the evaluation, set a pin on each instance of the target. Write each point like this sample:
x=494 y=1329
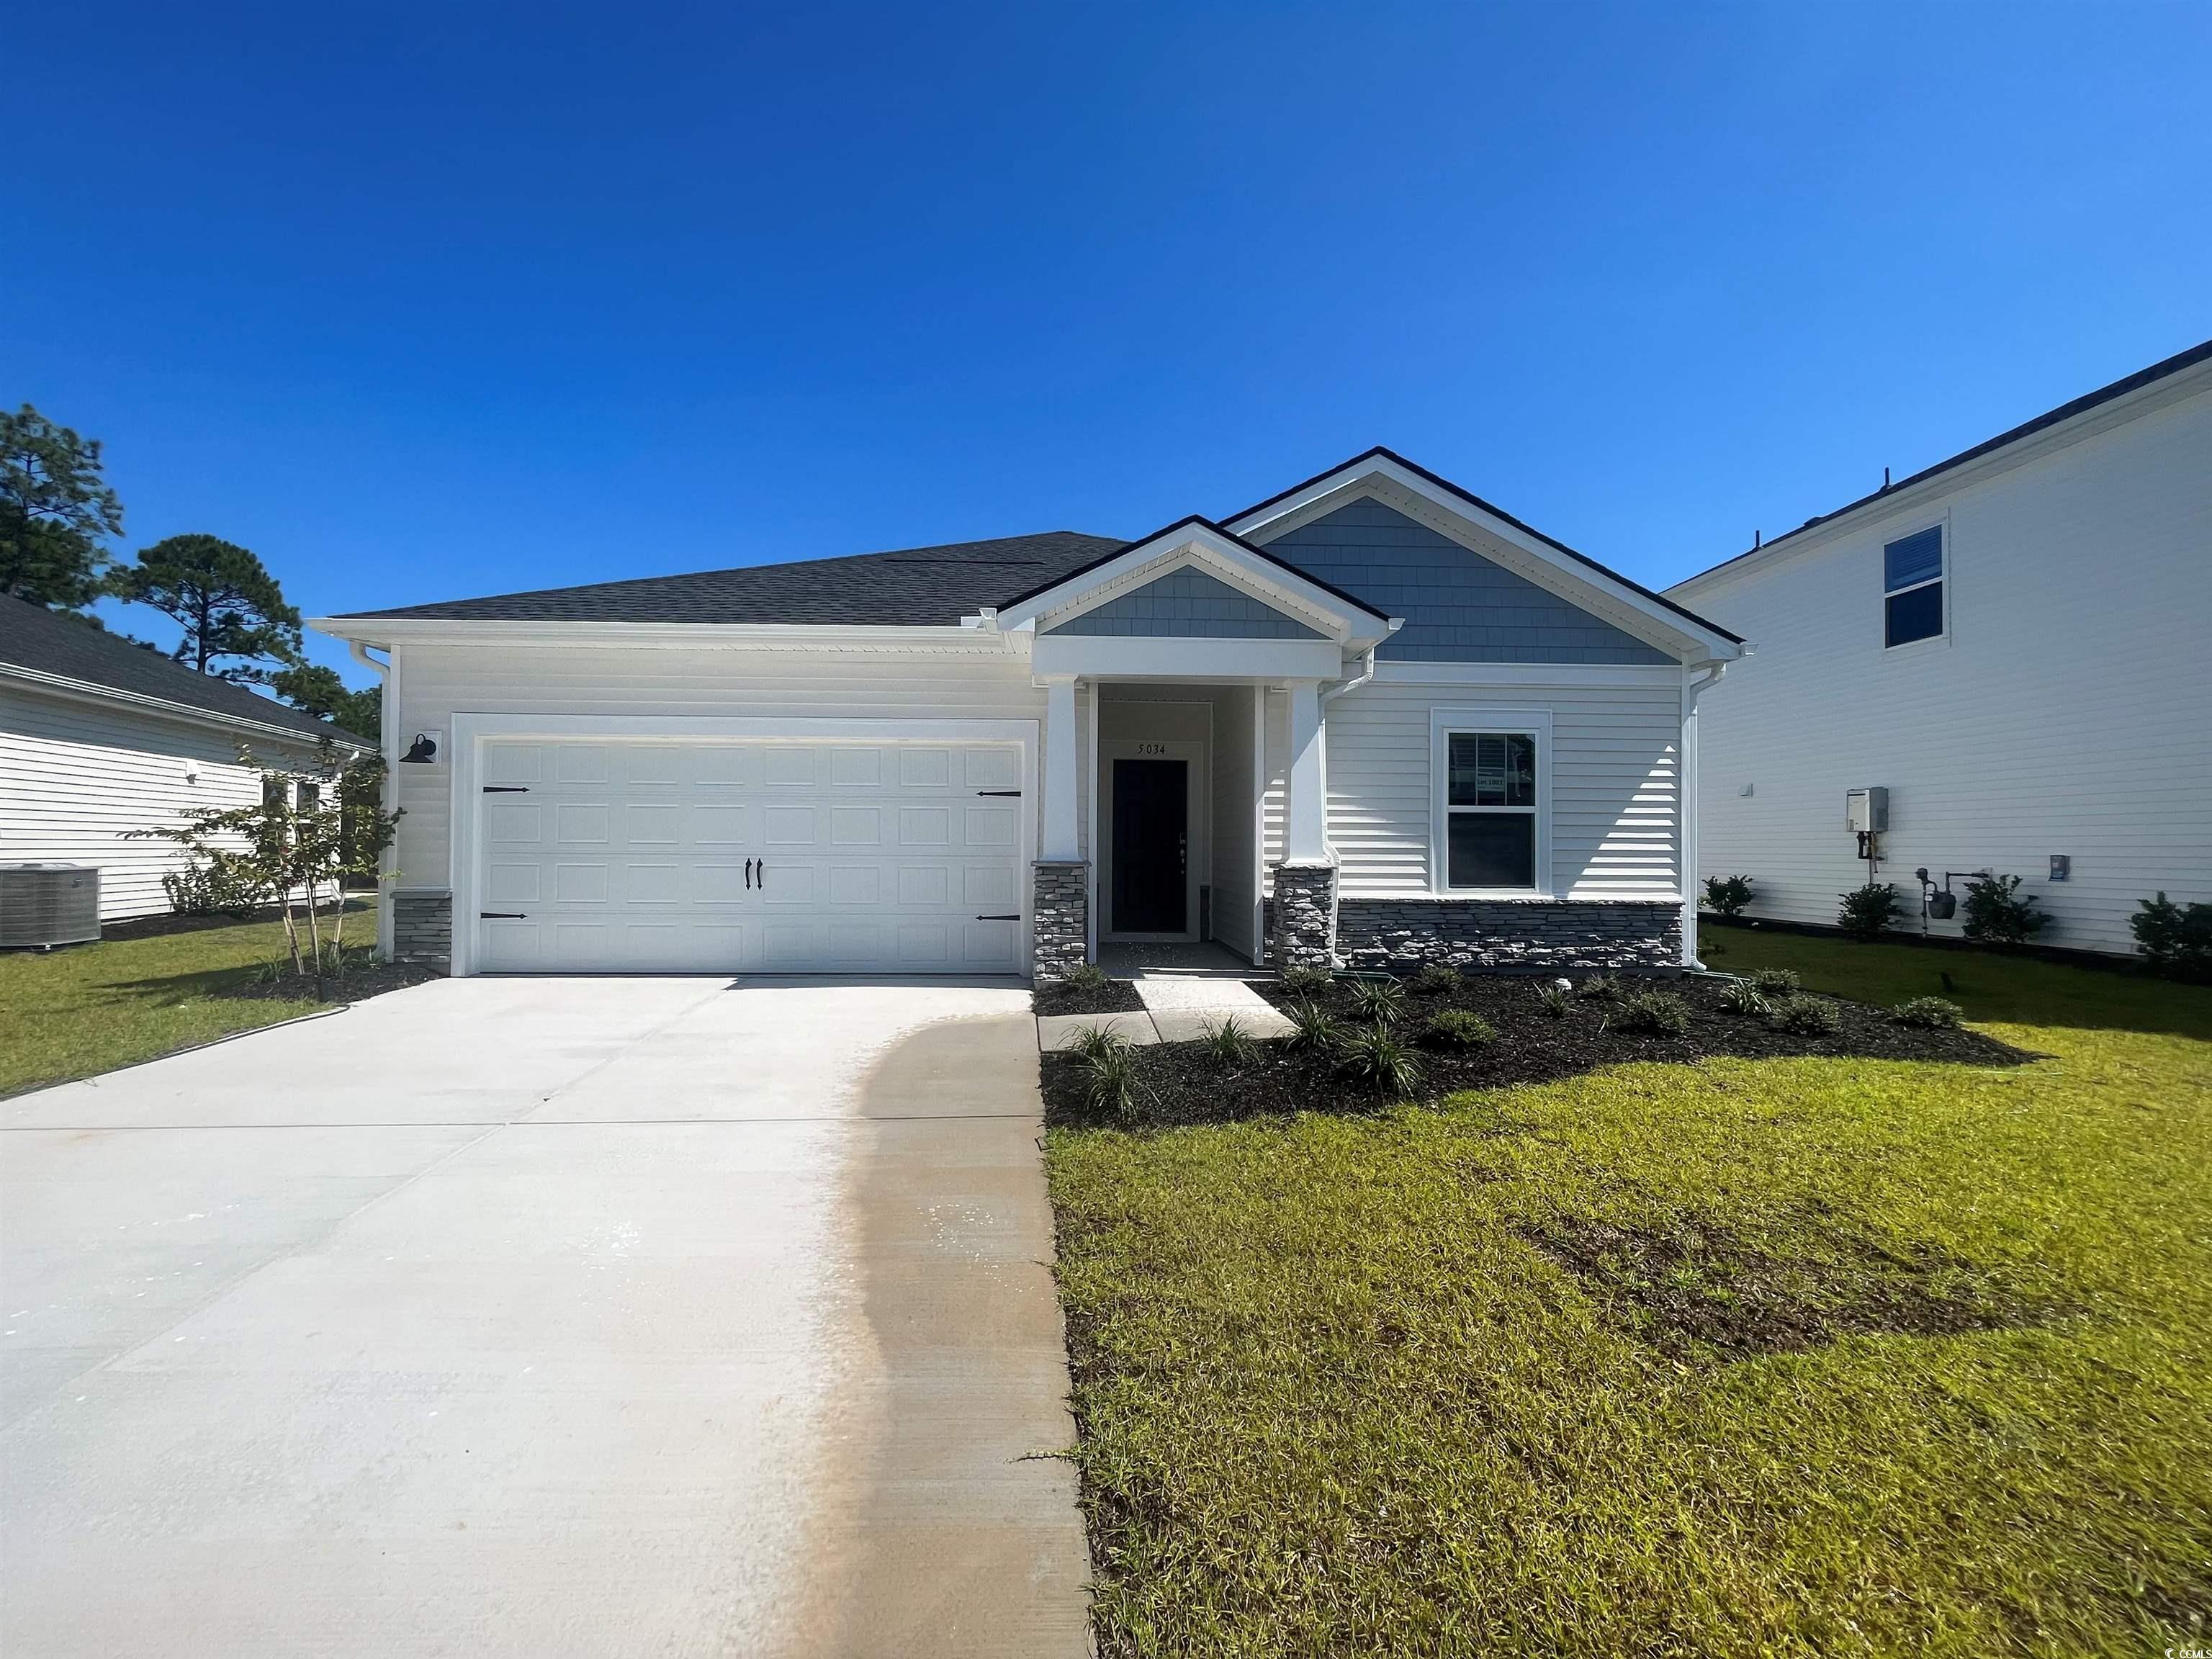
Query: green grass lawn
x=90 y=1008
x=1337 y=1398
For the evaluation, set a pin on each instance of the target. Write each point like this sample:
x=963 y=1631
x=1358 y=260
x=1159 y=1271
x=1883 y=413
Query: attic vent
x=44 y=904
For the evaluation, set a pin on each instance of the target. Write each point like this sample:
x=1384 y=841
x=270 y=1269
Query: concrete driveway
x=545 y=1317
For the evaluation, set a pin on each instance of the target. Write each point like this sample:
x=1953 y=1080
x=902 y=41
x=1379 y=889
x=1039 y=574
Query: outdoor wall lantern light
x=423 y=752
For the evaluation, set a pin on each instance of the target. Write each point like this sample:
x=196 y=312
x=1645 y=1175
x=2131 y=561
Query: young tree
x=324 y=695
x=55 y=512
x=313 y=830
x=224 y=597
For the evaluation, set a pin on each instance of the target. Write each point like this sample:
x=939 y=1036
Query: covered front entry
x=646 y=853
x=1176 y=796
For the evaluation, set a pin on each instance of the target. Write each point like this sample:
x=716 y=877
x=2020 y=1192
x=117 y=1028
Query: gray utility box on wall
x=1866 y=810
x=44 y=904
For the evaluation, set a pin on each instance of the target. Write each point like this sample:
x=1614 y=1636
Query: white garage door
x=639 y=856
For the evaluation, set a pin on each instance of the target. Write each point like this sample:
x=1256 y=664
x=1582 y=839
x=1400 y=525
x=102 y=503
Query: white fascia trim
x=86 y=691
x=1263 y=579
x=1528 y=673
x=471 y=732
x=1920 y=498
x=752 y=636
x=1146 y=657
x=1681 y=632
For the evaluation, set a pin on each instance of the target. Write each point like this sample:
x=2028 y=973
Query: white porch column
x=1686 y=791
x=1058 y=817
x=1305 y=815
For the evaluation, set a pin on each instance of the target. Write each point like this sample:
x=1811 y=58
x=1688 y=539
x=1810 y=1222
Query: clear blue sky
x=426 y=302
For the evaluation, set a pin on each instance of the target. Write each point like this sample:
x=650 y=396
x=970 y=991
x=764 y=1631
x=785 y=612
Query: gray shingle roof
x=39 y=640
x=917 y=586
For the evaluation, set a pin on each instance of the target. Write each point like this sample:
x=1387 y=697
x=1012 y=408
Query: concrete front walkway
x=545 y=1317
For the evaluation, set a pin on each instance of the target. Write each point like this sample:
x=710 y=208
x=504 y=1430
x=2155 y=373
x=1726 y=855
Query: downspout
x=1329 y=694
x=1692 y=687
x=389 y=738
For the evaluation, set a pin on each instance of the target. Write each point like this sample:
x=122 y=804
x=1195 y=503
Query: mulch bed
x=1116 y=996
x=1183 y=1082
x=355 y=985
x=171 y=921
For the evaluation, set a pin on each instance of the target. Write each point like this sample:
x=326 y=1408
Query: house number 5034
x=1151 y=749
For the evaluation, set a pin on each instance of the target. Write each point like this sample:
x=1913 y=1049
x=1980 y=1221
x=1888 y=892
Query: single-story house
x=2007 y=653
x=99 y=737
x=1371 y=719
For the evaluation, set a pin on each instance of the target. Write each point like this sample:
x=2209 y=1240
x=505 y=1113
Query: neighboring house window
x=273 y=790
x=1912 y=587
x=307 y=796
x=1490 y=810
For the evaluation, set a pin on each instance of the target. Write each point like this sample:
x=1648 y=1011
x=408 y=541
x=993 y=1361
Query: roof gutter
x=95 y=692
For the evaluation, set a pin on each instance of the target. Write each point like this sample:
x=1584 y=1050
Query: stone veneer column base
x=1511 y=935
x=423 y=929
x=1302 y=917
x=1060 y=926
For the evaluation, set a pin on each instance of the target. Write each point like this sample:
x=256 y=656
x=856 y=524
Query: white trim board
x=472 y=732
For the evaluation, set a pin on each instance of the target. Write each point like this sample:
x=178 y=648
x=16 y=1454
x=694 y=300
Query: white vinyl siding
x=76 y=774
x=437 y=681
x=1613 y=779
x=2066 y=712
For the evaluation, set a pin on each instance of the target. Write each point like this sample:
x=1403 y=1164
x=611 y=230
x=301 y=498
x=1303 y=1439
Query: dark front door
x=1151 y=819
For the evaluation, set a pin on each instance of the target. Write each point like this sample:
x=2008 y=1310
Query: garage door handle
x=749 y=875
x=503 y=915
x=1016 y=794
x=1017 y=916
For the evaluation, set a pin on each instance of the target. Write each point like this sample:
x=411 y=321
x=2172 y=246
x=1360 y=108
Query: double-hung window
x=1489 y=830
x=1912 y=587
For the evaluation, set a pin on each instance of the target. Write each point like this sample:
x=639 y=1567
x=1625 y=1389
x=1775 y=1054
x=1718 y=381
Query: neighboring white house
x=99 y=737
x=2016 y=644
x=1372 y=718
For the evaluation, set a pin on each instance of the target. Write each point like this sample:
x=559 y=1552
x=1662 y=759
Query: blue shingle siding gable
x=1187 y=604
x=1458 y=606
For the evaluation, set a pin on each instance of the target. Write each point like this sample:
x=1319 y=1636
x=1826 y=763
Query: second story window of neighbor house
x=1912 y=586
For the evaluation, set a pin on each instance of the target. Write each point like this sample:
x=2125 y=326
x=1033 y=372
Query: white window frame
x=1890 y=538
x=1443 y=724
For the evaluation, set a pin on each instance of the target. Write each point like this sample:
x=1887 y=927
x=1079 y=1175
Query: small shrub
x=1730 y=896
x=1600 y=987
x=1109 y=1080
x=1867 y=912
x=1458 y=1028
x=1997 y=914
x=1743 y=996
x=1374 y=1055
x=1307 y=980
x=1088 y=976
x=217 y=886
x=2175 y=939
x=1231 y=1043
x=1653 y=1014
x=1777 y=981
x=1556 y=1000
x=1091 y=1041
x=1930 y=1013
x=1314 y=1030
x=1807 y=1017
x=1379 y=1000
x=1437 y=979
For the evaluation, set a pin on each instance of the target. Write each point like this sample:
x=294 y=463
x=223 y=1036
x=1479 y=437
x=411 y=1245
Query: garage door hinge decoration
x=1016 y=794
x=505 y=789
x=503 y=915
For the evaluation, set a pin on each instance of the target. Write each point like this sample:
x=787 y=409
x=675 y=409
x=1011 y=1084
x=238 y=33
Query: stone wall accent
x=422 y=928
x=1511 y=935
x=1302 y=918
x=1059 y=931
